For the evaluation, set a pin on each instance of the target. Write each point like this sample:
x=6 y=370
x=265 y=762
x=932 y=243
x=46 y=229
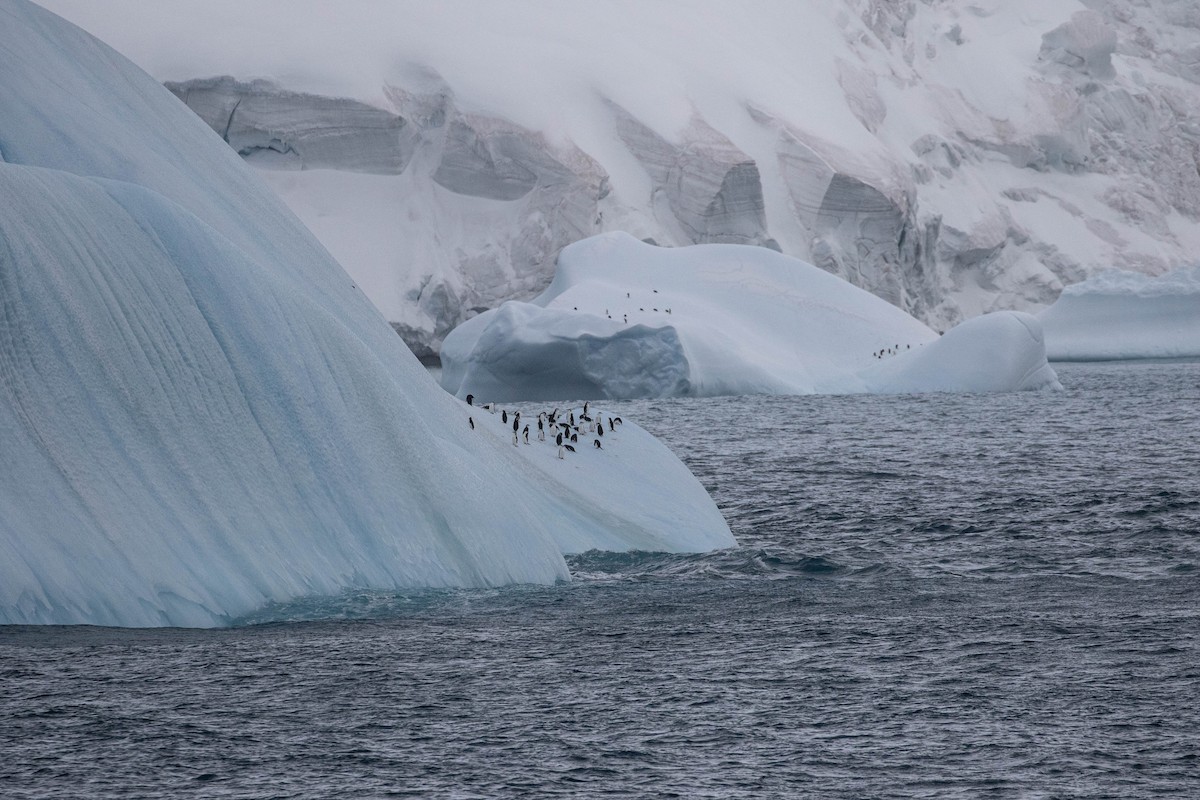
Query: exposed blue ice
x=199 y=412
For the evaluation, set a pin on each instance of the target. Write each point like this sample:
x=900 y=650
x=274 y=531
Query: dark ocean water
x=935 y=596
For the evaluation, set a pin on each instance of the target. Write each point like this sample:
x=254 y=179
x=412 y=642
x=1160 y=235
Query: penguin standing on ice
x=526 y=434
x=599 y=428
x=470 y=399
x=541 y=431
x=558 y=441
x=560 y=451
x=504 y=417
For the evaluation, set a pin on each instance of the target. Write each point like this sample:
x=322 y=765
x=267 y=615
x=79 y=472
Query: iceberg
x=1004 y=351
x=623 y=467
x=624 y=319
x=1124 y=315
x=201 y=413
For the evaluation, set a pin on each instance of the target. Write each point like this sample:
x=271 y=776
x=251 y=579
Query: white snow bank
x=200 y=413
x=1119 y=314
x=626 y=319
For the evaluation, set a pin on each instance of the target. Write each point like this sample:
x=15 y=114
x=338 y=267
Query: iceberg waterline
x=625 y=319
x=201 y=412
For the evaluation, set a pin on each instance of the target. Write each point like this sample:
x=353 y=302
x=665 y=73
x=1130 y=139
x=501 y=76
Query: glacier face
x=201 y=412
x=953 y=159
x=625 y=319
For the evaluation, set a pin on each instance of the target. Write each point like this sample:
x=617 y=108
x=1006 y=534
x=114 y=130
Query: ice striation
x=951 y=159
x=704 y=189
x=294 y=130
x=625 y=319
x=201 y=413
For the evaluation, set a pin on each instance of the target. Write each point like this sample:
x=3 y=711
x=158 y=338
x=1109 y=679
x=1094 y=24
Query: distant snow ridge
x=1120 y=314
x=625 y=319
x=951 y=158
x=200 y=413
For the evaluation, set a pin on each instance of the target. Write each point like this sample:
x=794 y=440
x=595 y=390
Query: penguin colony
x=565 y=427
x=624 y=314
x=890 y=351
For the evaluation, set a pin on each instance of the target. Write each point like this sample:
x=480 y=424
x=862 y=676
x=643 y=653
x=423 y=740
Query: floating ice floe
x=201 y=414
x=1119 y=315
x=625 y=319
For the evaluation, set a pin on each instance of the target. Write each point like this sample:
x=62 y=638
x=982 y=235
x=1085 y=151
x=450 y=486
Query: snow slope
x=626 y=319
x=658 y=512
x=201 y=413
x=951 y=158
x=1120 y=314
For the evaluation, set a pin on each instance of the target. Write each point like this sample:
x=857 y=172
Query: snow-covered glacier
x=201 y=413
x=1121 y=315
x=626 y=319
x=951 y=158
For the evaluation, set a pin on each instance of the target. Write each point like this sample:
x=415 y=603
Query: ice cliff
x=950 y=158
x=626 y=319
x=201 y=413
x=1120 y=314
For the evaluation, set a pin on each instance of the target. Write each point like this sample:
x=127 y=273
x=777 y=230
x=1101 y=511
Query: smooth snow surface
x=1000 y=352
x=1119 y=315
x=625 y=319
x=201 y=413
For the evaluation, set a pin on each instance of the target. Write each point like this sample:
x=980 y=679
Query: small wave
x=734 y=563
x=361 y=605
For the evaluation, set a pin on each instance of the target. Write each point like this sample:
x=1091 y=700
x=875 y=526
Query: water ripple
x=937 y=596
